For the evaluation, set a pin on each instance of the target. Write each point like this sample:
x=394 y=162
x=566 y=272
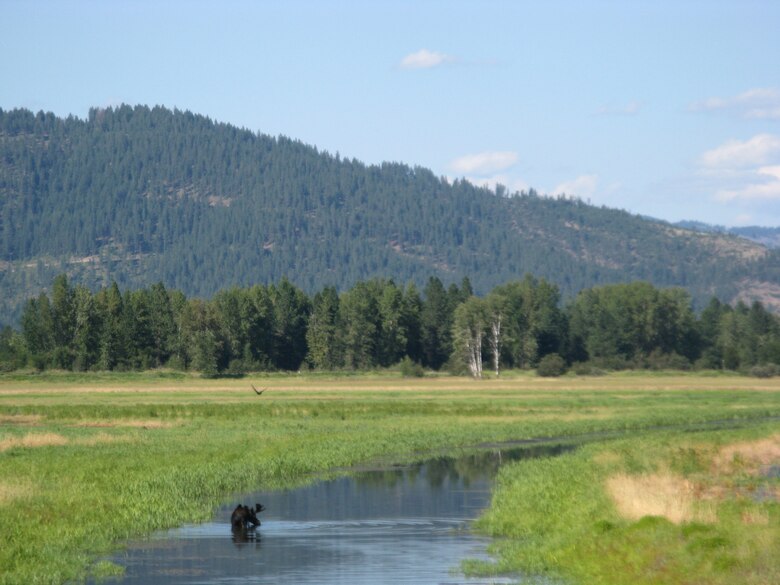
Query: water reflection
x=398 y=525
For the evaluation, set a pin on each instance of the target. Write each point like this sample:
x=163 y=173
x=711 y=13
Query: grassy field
x=89 y=461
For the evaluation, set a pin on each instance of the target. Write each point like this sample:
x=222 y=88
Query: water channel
x=389 y=525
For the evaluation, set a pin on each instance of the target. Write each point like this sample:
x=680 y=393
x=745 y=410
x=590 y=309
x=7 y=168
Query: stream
x=400 y=524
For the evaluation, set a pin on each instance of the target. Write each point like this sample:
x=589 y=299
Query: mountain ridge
x=764 y=235
x=139 y=195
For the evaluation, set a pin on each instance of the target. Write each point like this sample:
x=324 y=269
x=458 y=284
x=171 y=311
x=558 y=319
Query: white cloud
x=746 y=171
x=511 y=184
x=425 y=59
x=740 y=154
x=760 y=102
x=770 y=113
x=629 y=109
x=484 y=163
x=764 y=185
x=583 y=186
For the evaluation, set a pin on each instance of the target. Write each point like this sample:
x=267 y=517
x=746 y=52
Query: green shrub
x=666 y=361
x=765 y=371
x=551 y=365
x=411 y=369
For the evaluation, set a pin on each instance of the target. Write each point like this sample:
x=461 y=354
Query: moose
x=244 y=517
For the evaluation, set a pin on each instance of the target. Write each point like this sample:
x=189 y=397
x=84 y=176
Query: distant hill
x=141 y=195
x=767 y=236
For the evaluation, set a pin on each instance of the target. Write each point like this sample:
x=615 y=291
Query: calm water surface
x=399 y=525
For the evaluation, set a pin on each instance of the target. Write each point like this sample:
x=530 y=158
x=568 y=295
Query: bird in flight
x=258 y=392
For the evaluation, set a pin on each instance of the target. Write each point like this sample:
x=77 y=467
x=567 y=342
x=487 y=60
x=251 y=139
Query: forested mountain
x=139 y=195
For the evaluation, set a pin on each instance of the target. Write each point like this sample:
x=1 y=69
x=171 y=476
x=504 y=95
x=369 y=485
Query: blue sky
x=670 y=109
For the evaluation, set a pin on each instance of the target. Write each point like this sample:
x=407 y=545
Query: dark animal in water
x=258 y=392
x=244 y=517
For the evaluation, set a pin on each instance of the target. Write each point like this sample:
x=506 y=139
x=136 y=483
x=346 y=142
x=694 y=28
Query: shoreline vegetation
x=91 y=460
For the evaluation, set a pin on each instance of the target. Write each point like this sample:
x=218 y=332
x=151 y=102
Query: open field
x=88 y=461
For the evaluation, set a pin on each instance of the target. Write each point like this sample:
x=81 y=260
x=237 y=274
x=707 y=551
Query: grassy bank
x=88 y=462
x=663 y=509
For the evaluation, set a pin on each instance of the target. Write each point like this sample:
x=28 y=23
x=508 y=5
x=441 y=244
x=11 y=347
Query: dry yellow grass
x=749 y=456
x=755 y=517
x=660 y=494
x=20 y=419
x=681 y=500
x=33 y=440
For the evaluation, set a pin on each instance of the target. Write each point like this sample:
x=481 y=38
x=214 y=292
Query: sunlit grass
x=660 y=509
x=143 y=451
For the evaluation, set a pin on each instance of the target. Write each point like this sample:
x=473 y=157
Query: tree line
x=377 y=324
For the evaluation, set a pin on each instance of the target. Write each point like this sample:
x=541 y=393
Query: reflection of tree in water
x=468 y=468
x=381 y=478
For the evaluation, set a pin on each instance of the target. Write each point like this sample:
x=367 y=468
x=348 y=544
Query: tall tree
x=496 y=316
x=393 y=335
x=38 y=329
x=436 y=324
x=323 y=335
x=86 y=336
x=411 y=322
x=291 y=309
x=470 y=320
x=360 y=324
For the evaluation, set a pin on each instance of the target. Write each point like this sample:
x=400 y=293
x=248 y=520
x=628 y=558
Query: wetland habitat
x=674 y=480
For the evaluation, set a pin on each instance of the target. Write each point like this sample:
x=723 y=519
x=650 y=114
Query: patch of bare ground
x=767 y=293
x=722 y=244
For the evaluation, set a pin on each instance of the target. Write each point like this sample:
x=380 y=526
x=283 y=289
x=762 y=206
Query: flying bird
x=258 y=392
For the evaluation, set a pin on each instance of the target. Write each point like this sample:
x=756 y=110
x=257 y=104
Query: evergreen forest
x=378 y=324
x=140 y=195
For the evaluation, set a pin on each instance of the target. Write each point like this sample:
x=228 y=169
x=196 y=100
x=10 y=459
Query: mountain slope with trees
x=139 y=195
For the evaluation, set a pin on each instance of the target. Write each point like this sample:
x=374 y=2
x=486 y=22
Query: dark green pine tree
x=291 y=309
x=113 y=338
x=86 y=336
x=359 y=318
x=411 y=323
x=38 y=330
x=436 y=323
x=324 y=335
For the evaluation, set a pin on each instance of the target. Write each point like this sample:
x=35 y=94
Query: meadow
x=89 y=461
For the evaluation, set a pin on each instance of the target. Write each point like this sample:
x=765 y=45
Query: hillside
x=766 y=236
x=142 y=195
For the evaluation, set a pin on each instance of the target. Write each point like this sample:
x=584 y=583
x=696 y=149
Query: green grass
x=87 y=462
x=557 y=516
